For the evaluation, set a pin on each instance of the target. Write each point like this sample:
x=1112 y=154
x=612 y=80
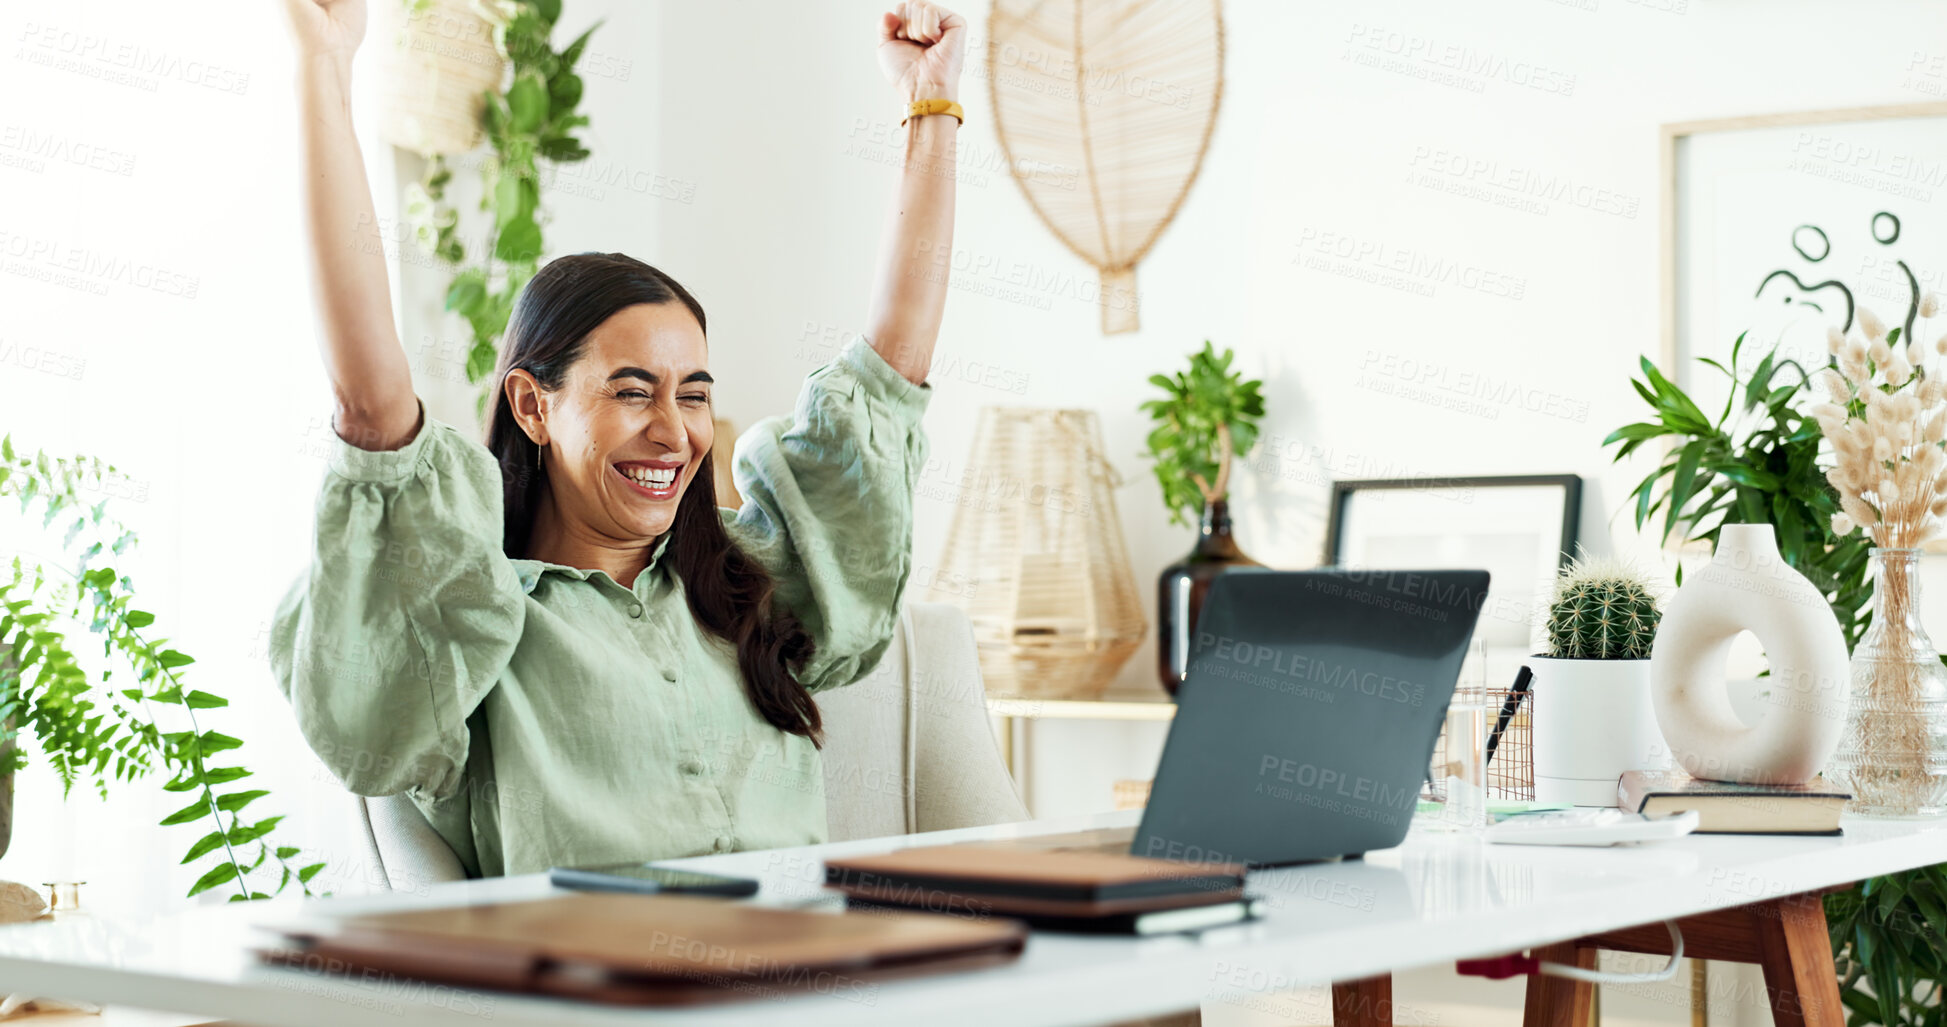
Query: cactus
x=1602 y=611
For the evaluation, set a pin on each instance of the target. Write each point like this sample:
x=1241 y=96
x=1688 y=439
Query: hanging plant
x=532 y=120
x=91 y=732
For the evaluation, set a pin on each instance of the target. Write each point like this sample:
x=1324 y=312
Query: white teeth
x=652 y=477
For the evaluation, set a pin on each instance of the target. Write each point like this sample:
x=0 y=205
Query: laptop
x=1306 y=719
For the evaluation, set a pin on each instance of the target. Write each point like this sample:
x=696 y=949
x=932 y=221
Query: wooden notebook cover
x=642 y=948
x=1009 y=879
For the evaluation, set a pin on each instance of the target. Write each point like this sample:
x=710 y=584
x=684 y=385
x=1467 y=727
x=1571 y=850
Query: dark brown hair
x=729 y=593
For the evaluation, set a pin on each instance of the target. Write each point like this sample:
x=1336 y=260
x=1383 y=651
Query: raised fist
x=920 y=47
x=320 y=27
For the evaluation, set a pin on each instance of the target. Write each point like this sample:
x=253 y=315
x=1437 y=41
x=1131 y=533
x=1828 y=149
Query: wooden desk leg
x=1796 y=953
x=1558 y=1001
x=1785 y=936
x=1699 y=993
x=1363 y=1003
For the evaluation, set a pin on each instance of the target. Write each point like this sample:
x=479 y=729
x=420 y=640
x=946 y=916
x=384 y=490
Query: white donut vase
x=1748 y=587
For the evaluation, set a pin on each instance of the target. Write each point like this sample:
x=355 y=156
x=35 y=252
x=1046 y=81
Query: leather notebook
x=644 y=949
x=1013 y=881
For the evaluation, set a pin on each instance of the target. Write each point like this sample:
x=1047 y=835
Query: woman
x=557 y=644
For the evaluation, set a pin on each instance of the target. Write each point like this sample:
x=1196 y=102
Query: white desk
x=1430 y=901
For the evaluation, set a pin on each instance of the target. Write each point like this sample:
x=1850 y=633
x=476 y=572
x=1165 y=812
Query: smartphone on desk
x=647 y=879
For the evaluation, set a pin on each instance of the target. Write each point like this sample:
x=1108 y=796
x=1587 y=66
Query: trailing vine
x=86 y=726
x=533 y=120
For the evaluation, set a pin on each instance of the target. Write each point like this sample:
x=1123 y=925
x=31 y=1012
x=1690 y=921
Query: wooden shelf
x=1155 y=706
x=1017 y=715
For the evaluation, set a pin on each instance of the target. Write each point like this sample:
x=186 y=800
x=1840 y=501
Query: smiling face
x=625 y=434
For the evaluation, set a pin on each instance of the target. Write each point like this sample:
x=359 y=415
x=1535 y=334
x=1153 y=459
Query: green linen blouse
x=542 y=715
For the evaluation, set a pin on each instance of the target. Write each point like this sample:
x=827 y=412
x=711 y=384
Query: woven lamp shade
x=439 y=61
x=1035 y=556
x=1104 y=110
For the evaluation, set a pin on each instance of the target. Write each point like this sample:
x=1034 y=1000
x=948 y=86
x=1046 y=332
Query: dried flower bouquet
x=1886 y=420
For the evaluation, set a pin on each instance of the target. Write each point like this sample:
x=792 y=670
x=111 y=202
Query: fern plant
x=1602 y=611
x=92 y=732
x=1207 y=415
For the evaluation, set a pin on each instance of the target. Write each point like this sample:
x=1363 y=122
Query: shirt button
x=635 y=609
x=690 y=767
x=724 y=843
x=669 y=676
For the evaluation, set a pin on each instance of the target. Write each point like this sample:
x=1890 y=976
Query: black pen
x=1508 y=709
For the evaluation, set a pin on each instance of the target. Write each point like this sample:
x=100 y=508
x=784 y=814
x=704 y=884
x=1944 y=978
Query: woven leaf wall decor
x=1104 y=110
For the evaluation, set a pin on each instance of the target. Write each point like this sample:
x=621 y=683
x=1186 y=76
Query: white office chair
x=908 y=748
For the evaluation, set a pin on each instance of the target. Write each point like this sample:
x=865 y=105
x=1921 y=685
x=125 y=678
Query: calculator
x=1591 y=827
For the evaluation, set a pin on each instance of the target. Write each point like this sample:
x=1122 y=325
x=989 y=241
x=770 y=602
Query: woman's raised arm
x=920 y=48
x=370 y=378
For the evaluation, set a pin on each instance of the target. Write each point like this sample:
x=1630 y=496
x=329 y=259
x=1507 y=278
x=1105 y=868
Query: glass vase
x=1893 y=753
x=1182 y=587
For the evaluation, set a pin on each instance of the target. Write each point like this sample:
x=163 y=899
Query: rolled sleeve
x=406 y=616
x=879 y=381
x=382 y=467
x=829 y=507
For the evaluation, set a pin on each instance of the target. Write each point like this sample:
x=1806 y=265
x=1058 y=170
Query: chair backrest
x=909 y=747
x=402 y=851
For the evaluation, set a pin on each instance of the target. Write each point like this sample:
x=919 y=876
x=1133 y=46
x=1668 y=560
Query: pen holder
x=1511 y=765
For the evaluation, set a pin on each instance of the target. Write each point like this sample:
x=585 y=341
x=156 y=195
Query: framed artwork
x=1781 y=224
x=1521 y=529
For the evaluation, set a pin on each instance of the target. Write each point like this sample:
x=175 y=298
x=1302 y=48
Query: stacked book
x=1727 y=808
x=1051 y=889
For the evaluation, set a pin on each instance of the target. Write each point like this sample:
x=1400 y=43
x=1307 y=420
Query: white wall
x=1341 y=133
x=151 y=160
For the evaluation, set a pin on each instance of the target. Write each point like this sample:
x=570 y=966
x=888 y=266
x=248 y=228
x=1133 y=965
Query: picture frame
x=1741 y=194
x=1523 y=529
x=1908 y=181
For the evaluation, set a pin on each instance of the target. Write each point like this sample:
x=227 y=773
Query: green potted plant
x=1207 y=416
x=1593 y=717
x=101 y=720
x=1889 y=935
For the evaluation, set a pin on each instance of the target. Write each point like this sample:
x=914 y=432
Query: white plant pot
x=1593 y=720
